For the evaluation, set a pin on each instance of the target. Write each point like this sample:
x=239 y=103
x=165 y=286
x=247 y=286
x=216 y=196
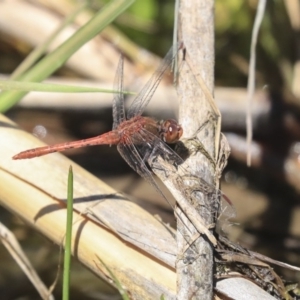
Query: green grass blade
x=59 y=56
x=50 y=87
x=41 y=49
x=68 y=244
x=118 y=284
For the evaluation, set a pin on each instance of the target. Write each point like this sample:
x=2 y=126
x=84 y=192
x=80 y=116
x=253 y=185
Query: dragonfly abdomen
x=109 y=138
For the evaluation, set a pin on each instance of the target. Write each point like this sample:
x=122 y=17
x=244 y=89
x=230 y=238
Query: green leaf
x=68 y=243
x=55 y=88
x=59 y=56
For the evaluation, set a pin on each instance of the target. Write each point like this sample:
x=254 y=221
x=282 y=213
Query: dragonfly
x=139 y=139
x=136 y=136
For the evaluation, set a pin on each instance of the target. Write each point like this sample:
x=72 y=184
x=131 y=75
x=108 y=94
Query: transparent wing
x=144 y=96
x=134 y=159
x=118 y=106
x=152 y=147
x=189 y=183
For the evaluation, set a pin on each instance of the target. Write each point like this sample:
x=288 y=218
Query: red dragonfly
x=139 y=139
x=136 y=136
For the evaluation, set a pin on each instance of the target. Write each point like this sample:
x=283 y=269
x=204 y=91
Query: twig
x=251 y=83
x=196 y=30
x=12 y=245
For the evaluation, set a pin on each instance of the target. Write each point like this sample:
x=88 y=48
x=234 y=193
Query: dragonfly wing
x=144 y=96
x=133 y=158
x=118 y=106
x=152 y=147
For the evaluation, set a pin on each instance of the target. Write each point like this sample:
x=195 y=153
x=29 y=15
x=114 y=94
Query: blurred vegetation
x=149 y=23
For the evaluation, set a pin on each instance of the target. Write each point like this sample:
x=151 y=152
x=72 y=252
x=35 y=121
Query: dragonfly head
x=170 y=131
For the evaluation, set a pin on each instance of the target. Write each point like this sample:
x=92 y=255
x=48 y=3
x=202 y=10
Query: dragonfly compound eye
x=172 y=131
